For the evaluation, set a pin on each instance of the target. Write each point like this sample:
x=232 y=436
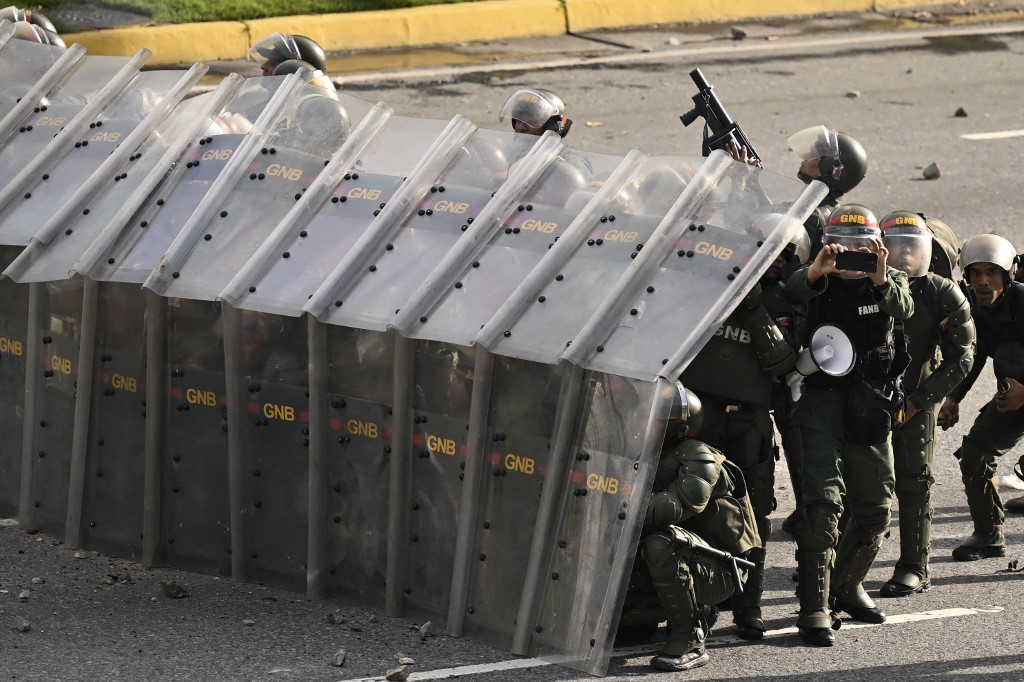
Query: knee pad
x=659 y=554
x=913 y=486
x=820 y=529
x=976 y=462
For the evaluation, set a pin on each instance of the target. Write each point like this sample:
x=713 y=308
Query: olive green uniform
x=836 y=470
x=941 y=321
x=733 y=376
x=1000 y=337
x=699 y=498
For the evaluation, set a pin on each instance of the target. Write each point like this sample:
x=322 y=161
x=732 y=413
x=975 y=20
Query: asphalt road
x=894 y=90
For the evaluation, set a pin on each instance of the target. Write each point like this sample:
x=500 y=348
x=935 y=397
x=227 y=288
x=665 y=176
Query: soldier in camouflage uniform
x=941 y=322
x=699 y=498
x=997 y=306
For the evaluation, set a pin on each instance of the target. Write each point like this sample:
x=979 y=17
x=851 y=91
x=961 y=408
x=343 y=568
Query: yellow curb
x=591 y=15
x=174 y=44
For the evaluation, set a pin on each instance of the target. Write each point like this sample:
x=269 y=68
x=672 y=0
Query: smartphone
x=858 y=261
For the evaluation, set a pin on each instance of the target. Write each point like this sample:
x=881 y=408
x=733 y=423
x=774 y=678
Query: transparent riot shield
x=112 y=491
x=60 y=319
x=521 y=231
x=13 y=337
x=227 y=229
x=441 y=401
x=23 y=64
x=274 y=445
x=516 y=460
x=715 y=243
x=105 y=144
x=76 y=234
x=321 y=229
x=130 y=249
x=543 y=316
x=418 y=228
x=358 y=464
x=195 y=532
x=65 y=113
x=579 y=576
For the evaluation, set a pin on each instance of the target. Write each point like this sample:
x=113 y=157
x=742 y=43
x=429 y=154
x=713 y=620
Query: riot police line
x=485 y=312
x=279 y=333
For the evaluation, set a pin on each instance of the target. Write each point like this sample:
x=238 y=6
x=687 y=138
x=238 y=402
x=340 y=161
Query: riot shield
x=542 y=316
x=112 y=495
x=130 y=249
x=195 y=511
x=713 y=246
x=580 y=576
x=501 y=253
x=103 y=147
x=274 y=445
x=417 y=229
x=75 y=235
x=68 y=110
x=228 y=228
x=13 y=337
x=60 y=320
x=334 y=213
x=23 y=64
x=358 y=467
x=518 y=442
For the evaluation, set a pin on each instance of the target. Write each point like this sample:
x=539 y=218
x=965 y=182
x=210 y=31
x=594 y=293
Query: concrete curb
x=174 y=44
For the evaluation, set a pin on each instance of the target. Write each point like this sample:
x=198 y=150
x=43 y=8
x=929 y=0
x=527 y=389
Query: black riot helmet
x=686 y=413
x=281 y=47
x=842 y=161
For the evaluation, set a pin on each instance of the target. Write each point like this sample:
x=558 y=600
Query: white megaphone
x=830 y=352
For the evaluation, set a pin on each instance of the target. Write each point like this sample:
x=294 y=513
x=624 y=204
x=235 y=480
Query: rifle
x=717 y=121
x=733 y=562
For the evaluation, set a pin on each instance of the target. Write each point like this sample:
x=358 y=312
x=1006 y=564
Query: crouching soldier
x=699 y=519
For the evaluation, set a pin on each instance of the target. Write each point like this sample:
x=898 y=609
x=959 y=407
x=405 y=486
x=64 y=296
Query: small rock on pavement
x=738 y=33
x=961 y=113
x=406 y=660
x=173 y=590
x=335 y=618
x=24 y=595
x=38 y=581
x=428 y=629
x=21 y=624
x=932 y=172
x=673 y=42
x=248 y=622
x=853 y=94
x=397 y=674
x=338 y=659
x=81 y=554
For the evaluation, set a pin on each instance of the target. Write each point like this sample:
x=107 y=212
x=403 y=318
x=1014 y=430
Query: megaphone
x=831 y=352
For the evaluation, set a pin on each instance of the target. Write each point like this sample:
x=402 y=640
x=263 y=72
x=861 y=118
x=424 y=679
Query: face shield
x=529 y=107
x=851 y=238
x=274 y=49
x=910 y=249
x=815 y=142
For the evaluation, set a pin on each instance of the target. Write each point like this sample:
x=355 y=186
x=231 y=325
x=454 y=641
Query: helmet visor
x=909 y=251
x=530 y=107
x=814 y=142
x=12 y=13
x=277 y=47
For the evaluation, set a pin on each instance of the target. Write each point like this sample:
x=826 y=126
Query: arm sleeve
x=960 y=392
x=800 y=290
x=956 y=341
x=896 y=300
x=697 y=478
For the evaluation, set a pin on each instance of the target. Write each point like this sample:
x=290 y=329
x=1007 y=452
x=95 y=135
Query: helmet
x=13 y=14
x=852 y=226
x=988 y=248
x=539 y=109
x=685 y=408
x=315 y=76
x=51 y=37
x=280 y=47
x=26 y=31
x=909 y=242
x=40 y=20
x=842 y=161
x=945 y=247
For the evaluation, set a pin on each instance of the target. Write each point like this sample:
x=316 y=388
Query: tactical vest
x=728 y=367
x=1005 y=335
x=728 y=521
x=851 y=305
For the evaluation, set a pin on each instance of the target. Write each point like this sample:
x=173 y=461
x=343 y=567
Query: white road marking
x=713 y=642
x=1000 y=135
